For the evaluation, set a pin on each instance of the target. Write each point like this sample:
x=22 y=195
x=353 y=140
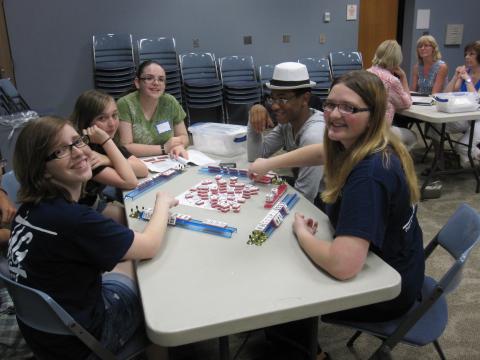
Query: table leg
x=438 y=158
x=313 y=343
x=224 y=348
x=470 y=158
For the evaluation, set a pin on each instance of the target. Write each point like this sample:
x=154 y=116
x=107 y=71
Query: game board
x=273 y=220
x=223 y=193
x=208 y=226
x=150 y=183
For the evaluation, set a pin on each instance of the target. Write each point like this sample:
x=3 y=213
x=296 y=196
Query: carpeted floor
x=461 y=339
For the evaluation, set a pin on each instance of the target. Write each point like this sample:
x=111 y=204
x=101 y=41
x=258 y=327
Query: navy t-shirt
x=62 y=249
x=375 y=205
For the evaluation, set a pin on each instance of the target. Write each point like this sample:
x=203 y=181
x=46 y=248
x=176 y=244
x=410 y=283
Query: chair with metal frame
x=265 y=74
x=202 y=88
x=14 y=102
x=425 y=322
x=39 y=311
x=240 y=84
x=344 y=61
x=114 y=66
x=319 y=71
x=10 y=185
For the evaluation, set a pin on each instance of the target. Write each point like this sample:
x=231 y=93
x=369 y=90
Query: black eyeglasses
x=345 y=109
x=150 y=78
x=3 y=164
x=280 y=101
x=66 y=150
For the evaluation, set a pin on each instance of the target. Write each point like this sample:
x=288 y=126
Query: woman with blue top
x=430 y=73
x=467 y=79
x=371 y=195
x=152 y=122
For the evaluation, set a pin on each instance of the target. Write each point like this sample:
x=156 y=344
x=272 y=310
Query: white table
x=430 y=115
x=202 y=286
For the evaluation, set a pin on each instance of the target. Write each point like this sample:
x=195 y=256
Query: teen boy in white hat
x=298 y=125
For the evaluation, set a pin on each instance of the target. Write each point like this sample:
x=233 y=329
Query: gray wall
x=442 y=12
x=51 y=40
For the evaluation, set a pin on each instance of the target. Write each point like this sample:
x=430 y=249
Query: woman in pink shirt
x=386 y=65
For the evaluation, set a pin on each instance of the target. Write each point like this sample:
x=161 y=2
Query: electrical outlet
x=247 y=40
x=196 y=43
x=286 y=39
x=322 y=39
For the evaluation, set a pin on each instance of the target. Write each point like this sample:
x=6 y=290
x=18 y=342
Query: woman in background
x=467 y=79
x=430 y=73
x=70 y=251
x=96 y=115
x=386 y=65
x=152 y=122
x=371 y=195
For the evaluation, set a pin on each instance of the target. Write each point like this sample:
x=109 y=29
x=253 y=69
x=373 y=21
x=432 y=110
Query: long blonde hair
x=429 y=40
x=388 y=55
x=339 y=162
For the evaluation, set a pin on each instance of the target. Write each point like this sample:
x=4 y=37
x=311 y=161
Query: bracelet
x=103 y=143
x=162 y=147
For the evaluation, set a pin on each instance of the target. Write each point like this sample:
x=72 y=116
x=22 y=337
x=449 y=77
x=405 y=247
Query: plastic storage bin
x=455 y=102
x=219 y=139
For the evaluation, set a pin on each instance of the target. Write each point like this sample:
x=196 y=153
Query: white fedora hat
x=289 y=76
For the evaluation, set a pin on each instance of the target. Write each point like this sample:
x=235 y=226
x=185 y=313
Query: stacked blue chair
x=425 y=322
x=344 y=61
x=10 y=100
x=239 y=80
x=202 y=88
x=319 y=71
x=265 y=74
x=163 y=51
x=114 y=63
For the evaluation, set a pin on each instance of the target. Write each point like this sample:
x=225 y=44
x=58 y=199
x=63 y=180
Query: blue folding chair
x=240 y=85
x=39 y=311
x=202 y=87
x=12 y=101
x=425 y=322
x=344 y=61
x=319 y=71
x=265 y=74
x=114 y=66
x=10 y=185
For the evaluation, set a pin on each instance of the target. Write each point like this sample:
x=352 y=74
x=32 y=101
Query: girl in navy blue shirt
x=70 y=251
x=371 y=193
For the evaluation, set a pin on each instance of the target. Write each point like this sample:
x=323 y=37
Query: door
x=378 y=22
x=6 y=65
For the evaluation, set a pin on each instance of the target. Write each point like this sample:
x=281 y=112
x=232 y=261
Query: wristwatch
x=162 y=147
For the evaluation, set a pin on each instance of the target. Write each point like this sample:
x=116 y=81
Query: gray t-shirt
x=309 y=180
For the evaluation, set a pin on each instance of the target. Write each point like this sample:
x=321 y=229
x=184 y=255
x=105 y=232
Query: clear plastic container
x=219 y=139
x=455 y=102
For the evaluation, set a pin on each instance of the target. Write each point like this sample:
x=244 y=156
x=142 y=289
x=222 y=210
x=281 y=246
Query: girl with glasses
x=70 y=251
x=371 y=193
x=152 y=122
x=96 y=115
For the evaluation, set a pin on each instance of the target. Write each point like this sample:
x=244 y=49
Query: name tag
x=163 y=127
